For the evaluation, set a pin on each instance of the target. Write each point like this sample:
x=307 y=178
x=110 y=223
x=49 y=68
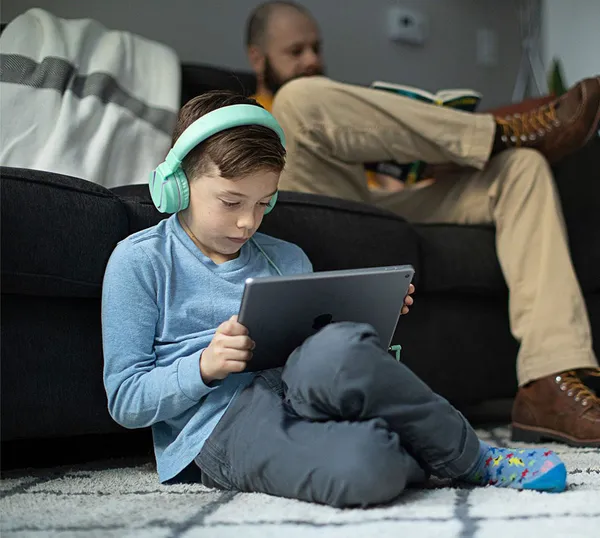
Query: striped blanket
x=79 y=99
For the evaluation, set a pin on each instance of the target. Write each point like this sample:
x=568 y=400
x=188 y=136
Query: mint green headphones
x=169 y=186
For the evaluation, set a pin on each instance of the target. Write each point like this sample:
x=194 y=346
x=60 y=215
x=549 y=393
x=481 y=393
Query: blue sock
x=537 y=469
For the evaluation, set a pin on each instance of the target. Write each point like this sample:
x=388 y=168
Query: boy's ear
x=257 y=60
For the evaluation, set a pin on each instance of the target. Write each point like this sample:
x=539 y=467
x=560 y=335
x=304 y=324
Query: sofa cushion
x=51 y=382
x=140 y=210
x=335 y=234
x=459 y=259
x=57 y=233
x=197 y=79
x=463 y=258
x=578 y=181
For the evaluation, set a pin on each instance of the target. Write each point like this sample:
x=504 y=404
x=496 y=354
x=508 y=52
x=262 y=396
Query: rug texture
x=123 y=498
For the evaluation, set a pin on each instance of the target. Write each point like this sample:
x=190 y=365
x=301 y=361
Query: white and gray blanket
x=80 y=99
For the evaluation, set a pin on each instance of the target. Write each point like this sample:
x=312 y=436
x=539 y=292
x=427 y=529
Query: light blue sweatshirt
x=162 y=301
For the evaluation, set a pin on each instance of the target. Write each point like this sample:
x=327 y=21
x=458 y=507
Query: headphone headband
x=219 y=120
x=168 y=185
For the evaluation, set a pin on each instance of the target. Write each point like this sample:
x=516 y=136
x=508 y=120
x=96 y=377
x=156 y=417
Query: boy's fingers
x=411 y=289
x=234 y=366
x=408 y=300
x=238 y=355
x=233 y=328
x=241 y=342
x=238 y=330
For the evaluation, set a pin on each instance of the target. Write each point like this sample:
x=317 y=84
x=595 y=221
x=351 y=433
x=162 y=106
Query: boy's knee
x=369 y=470
x=335 y=367
x=339 y=343
x=345 y=335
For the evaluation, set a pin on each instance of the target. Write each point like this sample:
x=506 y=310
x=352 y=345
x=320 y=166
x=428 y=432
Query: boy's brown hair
x=236 y=152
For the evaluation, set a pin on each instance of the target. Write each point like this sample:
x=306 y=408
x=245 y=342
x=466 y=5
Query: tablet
x=281 y=312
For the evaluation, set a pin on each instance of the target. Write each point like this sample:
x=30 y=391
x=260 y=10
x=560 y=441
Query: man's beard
x=274 y=82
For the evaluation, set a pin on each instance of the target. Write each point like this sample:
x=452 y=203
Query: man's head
x=232 y=177
x=283 y=43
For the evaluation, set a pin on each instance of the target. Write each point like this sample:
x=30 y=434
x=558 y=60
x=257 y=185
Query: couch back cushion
x=197 y=79
x=57 y=233
x=335 y=234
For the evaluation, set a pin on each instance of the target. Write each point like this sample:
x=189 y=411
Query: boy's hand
x=408 y=300
x=228 y=352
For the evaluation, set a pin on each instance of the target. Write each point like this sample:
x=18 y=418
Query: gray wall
x=573 y=37
x=356 y=46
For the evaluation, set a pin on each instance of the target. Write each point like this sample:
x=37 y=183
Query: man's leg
x=333 y=128
x=515 y=191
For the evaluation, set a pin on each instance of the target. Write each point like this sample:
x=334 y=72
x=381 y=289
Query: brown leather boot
x=559 y=408
x=556 y=129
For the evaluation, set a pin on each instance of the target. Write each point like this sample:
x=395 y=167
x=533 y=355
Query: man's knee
x=523 y=160
x=524 y=172
x=300 y=94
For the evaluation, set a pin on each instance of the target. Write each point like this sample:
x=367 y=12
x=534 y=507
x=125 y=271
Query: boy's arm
x=306 y=264
x=140 y=393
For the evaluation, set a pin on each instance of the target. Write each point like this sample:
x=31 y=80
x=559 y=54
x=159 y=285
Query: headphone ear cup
x=272 y=203
x=183 y=188
x=155 y=183
x=169 y=193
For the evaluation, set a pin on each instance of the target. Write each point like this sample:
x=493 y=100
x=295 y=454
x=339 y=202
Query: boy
x=342 y=423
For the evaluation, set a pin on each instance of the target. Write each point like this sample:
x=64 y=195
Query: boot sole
x=530 y=434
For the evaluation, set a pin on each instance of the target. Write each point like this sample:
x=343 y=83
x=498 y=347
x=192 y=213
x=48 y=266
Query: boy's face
x=224 y=214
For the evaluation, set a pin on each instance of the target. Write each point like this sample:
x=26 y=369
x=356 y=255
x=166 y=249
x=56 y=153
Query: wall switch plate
x=407 y=25
x=487 y=47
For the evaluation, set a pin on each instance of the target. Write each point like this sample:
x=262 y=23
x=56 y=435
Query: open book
x=461 y=99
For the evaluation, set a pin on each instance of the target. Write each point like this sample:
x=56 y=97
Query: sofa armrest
x=57 y=233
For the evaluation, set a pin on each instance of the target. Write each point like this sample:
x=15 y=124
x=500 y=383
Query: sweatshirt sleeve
x=140 y=393
x=306 y=264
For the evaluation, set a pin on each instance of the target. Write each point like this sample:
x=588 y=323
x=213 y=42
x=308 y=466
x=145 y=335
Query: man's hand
x=389 y=183
x=408 y=300
x=228 y=352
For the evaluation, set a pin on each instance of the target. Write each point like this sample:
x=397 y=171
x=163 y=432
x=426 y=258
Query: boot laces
x=571 y=382
x=527 y=127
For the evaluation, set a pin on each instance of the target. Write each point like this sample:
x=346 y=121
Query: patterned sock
x=537 y=469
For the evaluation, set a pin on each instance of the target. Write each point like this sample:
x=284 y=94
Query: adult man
x=283 y=43
x=333 y=128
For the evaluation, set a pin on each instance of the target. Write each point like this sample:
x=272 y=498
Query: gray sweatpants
x=343 y=424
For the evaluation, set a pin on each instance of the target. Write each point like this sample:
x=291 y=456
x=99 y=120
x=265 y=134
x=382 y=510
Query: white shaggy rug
x=119 y=498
